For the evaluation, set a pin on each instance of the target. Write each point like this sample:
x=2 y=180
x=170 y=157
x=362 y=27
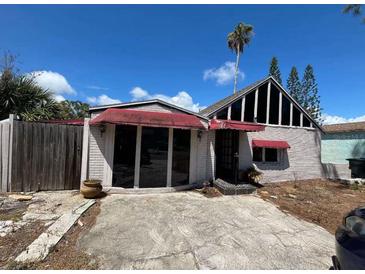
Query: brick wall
x=301 y=161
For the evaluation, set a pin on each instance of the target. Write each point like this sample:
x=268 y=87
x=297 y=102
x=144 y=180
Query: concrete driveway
x=188 y=231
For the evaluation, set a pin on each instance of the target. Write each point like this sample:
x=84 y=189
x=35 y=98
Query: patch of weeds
x=14 y=265
x=354 y=186
x=15 y=217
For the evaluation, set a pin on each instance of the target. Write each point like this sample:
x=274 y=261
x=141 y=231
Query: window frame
x=263 y=156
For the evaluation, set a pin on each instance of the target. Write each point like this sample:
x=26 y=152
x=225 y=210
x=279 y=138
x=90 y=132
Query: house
x=154 y=144
x=340 y=142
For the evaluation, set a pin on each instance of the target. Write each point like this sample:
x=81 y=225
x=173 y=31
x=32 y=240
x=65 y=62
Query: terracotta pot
x=91 y=188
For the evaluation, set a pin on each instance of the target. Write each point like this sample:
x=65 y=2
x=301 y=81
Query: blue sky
x=106 y=53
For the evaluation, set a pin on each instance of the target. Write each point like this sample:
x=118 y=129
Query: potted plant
x=91 y=188
x=254 y=176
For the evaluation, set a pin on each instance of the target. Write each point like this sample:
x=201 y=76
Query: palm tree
x=237 y=40
x=354 y=9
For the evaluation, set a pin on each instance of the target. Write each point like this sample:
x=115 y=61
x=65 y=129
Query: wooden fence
x=40 y=156
x=5 y=131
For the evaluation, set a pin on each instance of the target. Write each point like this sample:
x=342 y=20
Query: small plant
x=254 y=176
x=354 y=186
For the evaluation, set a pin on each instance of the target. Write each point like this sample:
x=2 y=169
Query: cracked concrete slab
x=189 y=231
x=40 y=247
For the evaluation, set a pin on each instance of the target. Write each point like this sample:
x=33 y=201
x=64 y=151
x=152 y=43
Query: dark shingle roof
x=224 y=101
x=345 y=127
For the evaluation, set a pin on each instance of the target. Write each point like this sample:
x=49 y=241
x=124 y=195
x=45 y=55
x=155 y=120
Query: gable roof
x=225 y=101
x=146 y=102
x=234 y=97
x=344 y=127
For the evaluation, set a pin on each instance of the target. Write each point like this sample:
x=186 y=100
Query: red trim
x=229 y=124
x=75 y=122
x=147 y=118
x=270 y=144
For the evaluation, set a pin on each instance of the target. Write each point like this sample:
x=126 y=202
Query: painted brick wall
x=96 y=150
x=210 y=160
x=337 y=147
x=301 y=161
x=336 y=171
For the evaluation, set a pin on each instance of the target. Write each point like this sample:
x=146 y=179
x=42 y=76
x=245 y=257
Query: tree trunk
x=236 y=71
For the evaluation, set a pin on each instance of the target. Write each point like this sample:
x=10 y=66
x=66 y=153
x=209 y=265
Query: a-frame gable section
x=252 y=102
x=295 y=103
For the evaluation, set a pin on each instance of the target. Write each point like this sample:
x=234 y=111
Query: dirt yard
x=322 y=202
x=21 y=222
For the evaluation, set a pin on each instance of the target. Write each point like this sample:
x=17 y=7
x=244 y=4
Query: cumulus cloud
x=53 y=81
x=181 y=99
x=102 y=100
x=224 y=74
x=334 y=119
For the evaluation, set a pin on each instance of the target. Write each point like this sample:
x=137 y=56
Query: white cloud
x=181 y=99
x=224 y=74
x=102 y=100
x=53 y=81
x=334 y=119
x=97 y=87
x=59 y=98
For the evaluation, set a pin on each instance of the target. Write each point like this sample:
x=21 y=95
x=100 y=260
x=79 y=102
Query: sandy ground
x=186 y=230
x=322 y=202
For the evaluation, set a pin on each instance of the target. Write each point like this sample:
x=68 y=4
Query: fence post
x=11 y=129
x=85 y=150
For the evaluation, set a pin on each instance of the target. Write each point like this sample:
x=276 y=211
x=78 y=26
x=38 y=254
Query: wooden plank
x=45 y=157
x=63 y=157
x=5 y=155
x=27 y=142
x=19 y=160
x=2 y=186
x=85 y=150
x=79 y=131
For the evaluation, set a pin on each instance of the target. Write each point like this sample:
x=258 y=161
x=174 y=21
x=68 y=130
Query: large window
x=249 y=107
x=153 y=167
x=223 y=114
x=306 y=122
x=296 y=117
x=261 y=104
x=285 y=111
x=236 y=110
x=274 y=106
x=180 y=157
x=124 y=156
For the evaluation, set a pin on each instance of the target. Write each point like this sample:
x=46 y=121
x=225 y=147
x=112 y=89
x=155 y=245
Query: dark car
x=350 y=241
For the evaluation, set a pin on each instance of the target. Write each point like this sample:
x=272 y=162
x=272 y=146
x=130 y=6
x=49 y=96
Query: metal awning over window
x=147 y=118
x=237 y=125
x=270 y=144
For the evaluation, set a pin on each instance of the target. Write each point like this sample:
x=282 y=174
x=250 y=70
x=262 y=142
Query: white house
x=153 y=144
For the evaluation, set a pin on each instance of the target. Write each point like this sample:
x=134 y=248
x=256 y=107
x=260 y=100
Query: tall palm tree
x=237 y=40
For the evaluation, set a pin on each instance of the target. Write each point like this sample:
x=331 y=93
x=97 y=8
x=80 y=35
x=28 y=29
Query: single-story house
x=154 y=144
x=340 y=142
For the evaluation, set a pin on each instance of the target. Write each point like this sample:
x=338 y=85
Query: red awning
x=229 y=124
x=270 y=144
x=147 y=118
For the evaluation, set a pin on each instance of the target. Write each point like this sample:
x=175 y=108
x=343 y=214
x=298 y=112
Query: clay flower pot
x=91 y=188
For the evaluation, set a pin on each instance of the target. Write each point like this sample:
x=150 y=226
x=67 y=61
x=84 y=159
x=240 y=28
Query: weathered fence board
x=46 y=156
x=4 y=155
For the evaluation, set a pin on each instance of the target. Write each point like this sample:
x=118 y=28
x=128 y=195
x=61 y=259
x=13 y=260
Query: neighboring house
x=340 y=142
x=155 y=144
